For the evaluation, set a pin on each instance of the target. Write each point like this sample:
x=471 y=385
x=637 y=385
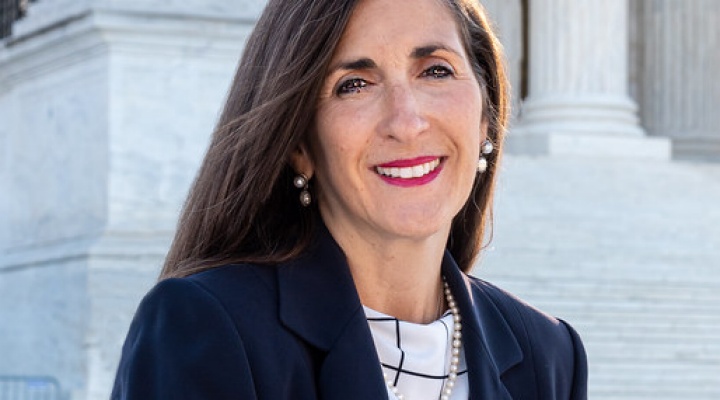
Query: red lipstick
x=409 y=163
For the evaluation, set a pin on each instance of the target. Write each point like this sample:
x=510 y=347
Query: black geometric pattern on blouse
x=399 y=368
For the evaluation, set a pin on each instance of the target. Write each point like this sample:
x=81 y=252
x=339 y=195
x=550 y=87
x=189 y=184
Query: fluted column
x=679 y=90
x=578 y=82
x=105 y=109
x=507 y=18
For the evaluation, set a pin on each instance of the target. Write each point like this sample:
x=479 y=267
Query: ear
x=484 y=124
x=301 y=161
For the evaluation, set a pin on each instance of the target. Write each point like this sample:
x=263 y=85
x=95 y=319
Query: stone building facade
x=606 y=213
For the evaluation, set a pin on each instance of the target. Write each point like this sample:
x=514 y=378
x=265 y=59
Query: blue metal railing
x=30 y=388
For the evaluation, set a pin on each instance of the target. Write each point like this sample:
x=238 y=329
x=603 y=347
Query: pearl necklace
x=455 y=352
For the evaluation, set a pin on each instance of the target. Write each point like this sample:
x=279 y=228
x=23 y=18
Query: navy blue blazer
x=297 y=331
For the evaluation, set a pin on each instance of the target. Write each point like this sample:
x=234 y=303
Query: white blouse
x=417 y=356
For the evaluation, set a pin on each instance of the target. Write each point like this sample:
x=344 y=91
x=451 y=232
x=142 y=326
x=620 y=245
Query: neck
x=398 y=277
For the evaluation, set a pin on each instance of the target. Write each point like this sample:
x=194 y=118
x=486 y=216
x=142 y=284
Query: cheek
x=335 y=156
x=464 y=115
x=345 y=134
x=335 y=151
x=324 y=142
x=460 y=104
x=474 y=112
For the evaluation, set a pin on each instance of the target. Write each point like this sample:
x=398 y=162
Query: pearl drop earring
x=301 y=182
x=486 y=148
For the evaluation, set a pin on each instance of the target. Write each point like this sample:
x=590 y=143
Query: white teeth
x=416 y=171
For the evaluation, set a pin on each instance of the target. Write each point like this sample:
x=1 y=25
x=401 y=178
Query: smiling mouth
x=416 y=171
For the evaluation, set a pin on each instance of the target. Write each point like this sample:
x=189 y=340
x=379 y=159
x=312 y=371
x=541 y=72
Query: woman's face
x=398 y=124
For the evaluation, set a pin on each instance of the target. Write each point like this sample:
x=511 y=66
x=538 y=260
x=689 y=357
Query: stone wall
x=105 y=110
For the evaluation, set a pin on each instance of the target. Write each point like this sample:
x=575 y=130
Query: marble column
x=106 y=107
x=506 y=16
x=578 y=100
x=678 y=63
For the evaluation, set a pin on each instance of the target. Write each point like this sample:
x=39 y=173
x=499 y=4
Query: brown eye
x=438 y=72
x=353 y=85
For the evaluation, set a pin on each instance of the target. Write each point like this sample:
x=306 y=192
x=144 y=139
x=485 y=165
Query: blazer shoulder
x=247 y=292
x=521 y=315
x=553 y=351
x=234 y=278
x=167 y=355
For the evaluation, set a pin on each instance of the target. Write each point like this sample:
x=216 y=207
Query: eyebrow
x=362 y=63
x=424 y=51
x=366 y=63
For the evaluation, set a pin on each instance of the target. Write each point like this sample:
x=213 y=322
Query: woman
x=321 y=252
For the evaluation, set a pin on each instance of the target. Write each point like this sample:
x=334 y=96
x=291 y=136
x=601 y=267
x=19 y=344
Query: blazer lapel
x=490 y=346
x=318 y=301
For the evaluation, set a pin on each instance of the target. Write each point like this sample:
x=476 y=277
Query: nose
x=403 y=114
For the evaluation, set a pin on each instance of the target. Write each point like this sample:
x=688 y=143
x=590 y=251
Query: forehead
x=377 y=25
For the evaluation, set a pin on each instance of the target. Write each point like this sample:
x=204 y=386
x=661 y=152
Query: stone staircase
x=629 y=253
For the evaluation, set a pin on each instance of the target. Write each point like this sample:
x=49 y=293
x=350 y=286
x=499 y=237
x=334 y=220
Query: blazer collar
x=490 y=345
x=318 y=301
x=317 y=293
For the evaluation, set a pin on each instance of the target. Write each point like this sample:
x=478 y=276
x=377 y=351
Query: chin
x=421 y=229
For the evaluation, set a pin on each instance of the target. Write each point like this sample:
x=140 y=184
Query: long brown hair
x=242 y=206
